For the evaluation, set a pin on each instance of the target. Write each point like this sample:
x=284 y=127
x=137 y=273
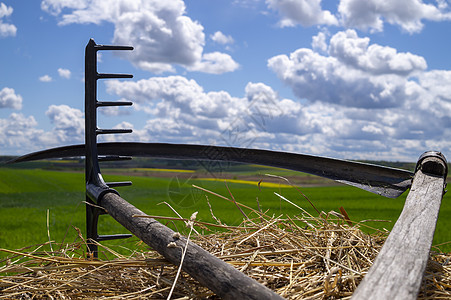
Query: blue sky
x=347 y=78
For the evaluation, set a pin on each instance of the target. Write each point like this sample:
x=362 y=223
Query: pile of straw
x=300 y=257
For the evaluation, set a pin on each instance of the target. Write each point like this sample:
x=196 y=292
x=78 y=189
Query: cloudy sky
x=347 y=78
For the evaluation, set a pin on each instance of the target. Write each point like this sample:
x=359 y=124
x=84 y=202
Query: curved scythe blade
x=384 y=181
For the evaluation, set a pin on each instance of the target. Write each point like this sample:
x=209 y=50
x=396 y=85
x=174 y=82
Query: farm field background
x=32 y=193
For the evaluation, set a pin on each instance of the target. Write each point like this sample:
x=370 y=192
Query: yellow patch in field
x=163 y=170
x=262 y=184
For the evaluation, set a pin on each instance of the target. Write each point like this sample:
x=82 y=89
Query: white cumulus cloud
x=160 y=31
x=368 y=100
x=55 y=7
x=353 y=73
x=215 y=63
x=65 y=73
x=221 y=38
x=19 y=132
x=370 y=15
x=304 y=12
x=69 y=123
x=45 y=78
x=355 y=51
x=5 y=28
x=319 y=41
x=9 y=99
x=408 y=14
x=180 y=110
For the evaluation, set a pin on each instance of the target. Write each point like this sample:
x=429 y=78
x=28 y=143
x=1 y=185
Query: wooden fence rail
x=398 y=270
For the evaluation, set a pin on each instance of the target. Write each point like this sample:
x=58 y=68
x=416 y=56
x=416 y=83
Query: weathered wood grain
x=398 y=270
x=220 y=277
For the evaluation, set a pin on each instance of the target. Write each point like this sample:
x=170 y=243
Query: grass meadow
x=37 y=205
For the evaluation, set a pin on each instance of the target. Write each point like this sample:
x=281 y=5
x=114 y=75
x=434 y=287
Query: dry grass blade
x=194 y=221
x=236 y=204
x=297 y=189
x=225 y=198
x=190 y=224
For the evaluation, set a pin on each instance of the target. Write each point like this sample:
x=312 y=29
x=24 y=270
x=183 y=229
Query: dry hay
x=300 y=257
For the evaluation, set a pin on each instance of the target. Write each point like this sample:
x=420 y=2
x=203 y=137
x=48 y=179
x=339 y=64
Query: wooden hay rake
x=397 y=272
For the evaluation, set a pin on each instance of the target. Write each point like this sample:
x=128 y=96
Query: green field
x=28 y=196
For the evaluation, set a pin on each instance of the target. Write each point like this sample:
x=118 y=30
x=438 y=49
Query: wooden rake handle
x=398 y=270
x=213 y=273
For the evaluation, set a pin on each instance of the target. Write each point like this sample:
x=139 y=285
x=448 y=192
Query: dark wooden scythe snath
x=397 y=272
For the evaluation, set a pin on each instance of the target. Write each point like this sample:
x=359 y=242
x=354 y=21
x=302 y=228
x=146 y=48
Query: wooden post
x=398 y=270
x=213 y=273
